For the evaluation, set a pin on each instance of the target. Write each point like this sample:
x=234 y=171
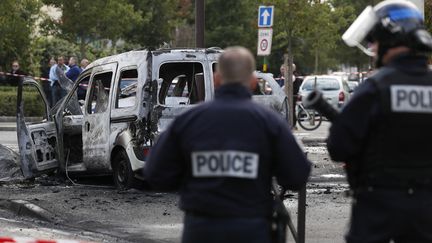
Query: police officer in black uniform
x=222 y=154
x=384 y=133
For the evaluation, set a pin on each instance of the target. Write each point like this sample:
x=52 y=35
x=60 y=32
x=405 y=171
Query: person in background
x=74 y=71
x=281 y=78
x=222 y=156
x=56 y=90
x=46 y=84
x=84 y=64
x=3 y=78
x=297 y=81
x=16 y=70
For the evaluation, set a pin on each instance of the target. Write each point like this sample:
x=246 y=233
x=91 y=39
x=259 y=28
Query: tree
x=350 y=9
x=158 y=20
x=84 y=22
x=428 y=14
x=310 y=28
x=17 y=23
x=231 y=23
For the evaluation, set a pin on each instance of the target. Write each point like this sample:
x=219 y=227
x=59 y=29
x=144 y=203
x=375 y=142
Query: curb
x=13 y=119
x=7 y=119
x=8 y=129
x=313 y=140
x=28 y=209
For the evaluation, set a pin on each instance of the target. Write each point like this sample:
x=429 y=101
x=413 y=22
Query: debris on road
x=9 y=165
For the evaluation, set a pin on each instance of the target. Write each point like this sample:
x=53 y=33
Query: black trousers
x=198 y=229
x=382 y=215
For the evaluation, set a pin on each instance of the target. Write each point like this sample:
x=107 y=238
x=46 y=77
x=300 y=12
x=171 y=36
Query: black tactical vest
x=399 y=146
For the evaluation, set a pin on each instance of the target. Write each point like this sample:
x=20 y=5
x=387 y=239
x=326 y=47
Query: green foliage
x=349 y=10
x=43 y=49
x=231 y=23
x=84 y=22
x=156 y=25
x=428 y=14
x=17 y=22
x=33 y=105
x=315 y=28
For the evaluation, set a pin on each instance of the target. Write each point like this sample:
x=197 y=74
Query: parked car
x=352 y=86
x=335 y=89
x=129 y=100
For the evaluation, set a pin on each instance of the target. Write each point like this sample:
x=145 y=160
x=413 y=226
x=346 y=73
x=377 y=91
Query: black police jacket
x=386 y=127
x=222 y=154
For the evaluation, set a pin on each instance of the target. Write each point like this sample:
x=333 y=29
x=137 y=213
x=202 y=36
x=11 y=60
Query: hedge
x=33 y=104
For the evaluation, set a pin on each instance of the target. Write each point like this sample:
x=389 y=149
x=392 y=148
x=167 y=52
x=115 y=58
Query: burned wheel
x=124 y=177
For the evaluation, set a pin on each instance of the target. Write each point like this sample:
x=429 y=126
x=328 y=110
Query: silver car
x=335 y=90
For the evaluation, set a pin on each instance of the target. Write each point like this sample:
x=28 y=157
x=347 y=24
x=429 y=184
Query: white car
x=334 y=88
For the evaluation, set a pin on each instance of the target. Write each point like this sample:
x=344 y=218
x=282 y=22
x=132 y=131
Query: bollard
x=301 y=216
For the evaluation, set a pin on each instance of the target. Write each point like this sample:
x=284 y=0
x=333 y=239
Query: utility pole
x=199 y=23
x=288 y=74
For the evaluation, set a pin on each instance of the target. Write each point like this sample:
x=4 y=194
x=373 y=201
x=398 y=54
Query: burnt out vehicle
x=113 y=113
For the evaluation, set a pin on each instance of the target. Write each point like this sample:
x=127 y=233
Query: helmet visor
x=357 y=32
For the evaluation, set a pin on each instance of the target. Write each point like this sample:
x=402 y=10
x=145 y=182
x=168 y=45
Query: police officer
x=384 y=133
x=222 y=154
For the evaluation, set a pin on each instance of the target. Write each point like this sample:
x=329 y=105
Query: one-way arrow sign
x=265 y=16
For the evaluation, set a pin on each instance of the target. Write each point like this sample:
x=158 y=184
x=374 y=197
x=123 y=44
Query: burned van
x=113 y=113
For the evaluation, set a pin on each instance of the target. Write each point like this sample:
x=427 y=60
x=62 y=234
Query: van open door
x=36 y=131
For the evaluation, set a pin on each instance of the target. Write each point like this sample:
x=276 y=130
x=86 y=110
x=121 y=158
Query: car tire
x=123 y=175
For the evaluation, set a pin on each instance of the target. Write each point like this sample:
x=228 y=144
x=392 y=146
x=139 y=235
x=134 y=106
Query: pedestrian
x=281 y=78
x=222 y=156
x=46 y=84
x=297 y=81
x=15 y=70
x=74 y=71
x=3 y=77
x=84 y=63
x=56 y=90
x=384 y=132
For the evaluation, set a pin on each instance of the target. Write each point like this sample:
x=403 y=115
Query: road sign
x=264 y=41
x=265 y=16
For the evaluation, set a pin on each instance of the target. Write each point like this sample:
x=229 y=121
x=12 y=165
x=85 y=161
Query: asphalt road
x=145 y=216
x=9 y=138
x=98 y=212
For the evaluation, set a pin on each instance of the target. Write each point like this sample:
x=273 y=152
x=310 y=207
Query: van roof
x=140 y=54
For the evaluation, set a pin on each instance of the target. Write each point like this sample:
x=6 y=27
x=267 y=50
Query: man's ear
x=217 y=79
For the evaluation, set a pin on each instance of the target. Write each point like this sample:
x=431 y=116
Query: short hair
x=236 y=65
x=84 y=62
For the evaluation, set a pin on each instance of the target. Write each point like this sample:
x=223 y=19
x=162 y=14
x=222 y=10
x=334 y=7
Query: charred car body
x=117 y=107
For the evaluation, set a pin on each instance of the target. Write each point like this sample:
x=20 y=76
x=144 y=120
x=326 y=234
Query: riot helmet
x=391 y=23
